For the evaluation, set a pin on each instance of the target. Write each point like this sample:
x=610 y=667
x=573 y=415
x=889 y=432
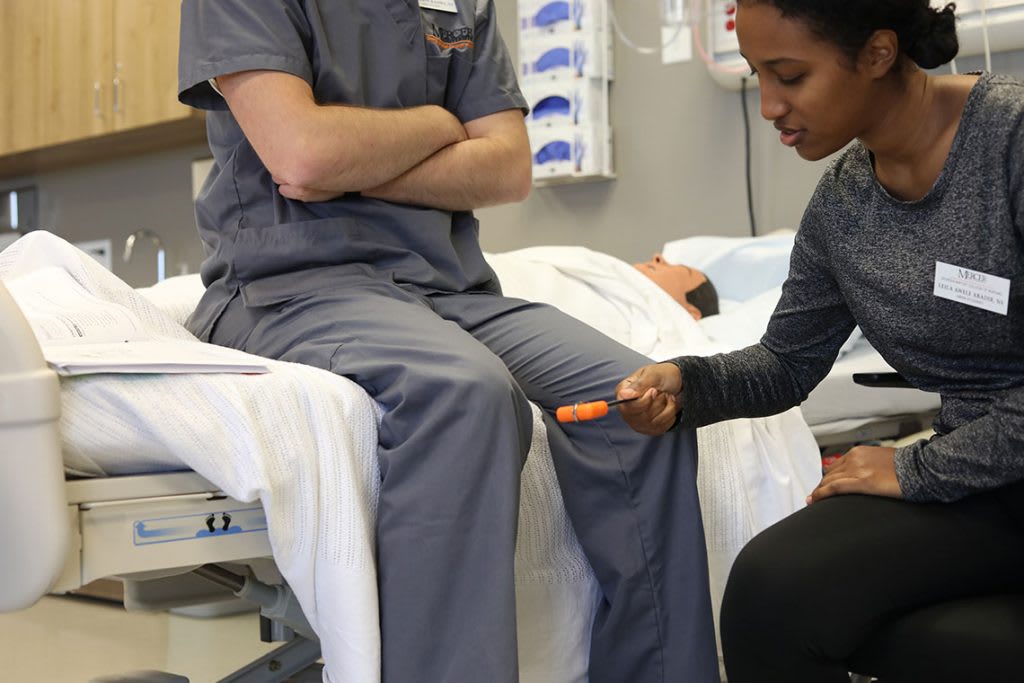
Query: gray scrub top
x=373 y=53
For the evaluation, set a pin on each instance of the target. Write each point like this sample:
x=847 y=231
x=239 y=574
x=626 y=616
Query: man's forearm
x=331 y=149
x=467 y=175
x=349 y=149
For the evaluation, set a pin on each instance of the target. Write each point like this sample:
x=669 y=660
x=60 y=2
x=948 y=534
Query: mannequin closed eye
x=684 y=284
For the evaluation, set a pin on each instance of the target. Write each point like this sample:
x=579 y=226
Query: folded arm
x=492 y=166
x=422 y=155
x=334 y=148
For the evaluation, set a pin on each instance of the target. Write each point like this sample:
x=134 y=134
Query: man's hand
x=864 y=469
x=493 y=165
x=318 y=151
x=657 y=387
x=303 y=194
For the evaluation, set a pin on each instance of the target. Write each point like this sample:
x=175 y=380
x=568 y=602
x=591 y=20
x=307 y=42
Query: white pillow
x=176 y=296
x=740 y=267
x=740 y=324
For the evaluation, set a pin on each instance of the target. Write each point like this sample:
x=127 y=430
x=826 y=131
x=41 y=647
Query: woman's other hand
x=656 y=389
x=864 y=469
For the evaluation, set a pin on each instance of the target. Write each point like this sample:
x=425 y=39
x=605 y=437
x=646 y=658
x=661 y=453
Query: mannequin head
x=688 y=286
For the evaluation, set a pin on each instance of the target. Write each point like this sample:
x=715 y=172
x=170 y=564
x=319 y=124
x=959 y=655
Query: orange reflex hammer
x=590 y=410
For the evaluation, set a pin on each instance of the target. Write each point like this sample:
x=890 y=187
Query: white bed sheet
x=300 y=440
x=279 y=436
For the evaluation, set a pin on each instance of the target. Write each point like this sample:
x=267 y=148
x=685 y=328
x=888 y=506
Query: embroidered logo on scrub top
x=460 y=39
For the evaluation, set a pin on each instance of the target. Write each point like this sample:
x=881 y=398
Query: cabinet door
x=146 y=63
x=77 y=69
x=21 y=59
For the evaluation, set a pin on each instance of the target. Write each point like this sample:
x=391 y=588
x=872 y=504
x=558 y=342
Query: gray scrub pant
x=454 y=373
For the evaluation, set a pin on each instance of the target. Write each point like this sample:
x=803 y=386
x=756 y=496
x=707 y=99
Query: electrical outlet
x=676 y=44
x=101 y=250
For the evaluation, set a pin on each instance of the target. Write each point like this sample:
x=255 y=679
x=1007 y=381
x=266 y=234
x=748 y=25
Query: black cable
x=746 y=139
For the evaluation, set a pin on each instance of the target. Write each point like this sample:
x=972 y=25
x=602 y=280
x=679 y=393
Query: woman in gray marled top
x=915 y=233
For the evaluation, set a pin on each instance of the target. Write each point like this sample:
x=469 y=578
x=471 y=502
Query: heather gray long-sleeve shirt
x=863 y=258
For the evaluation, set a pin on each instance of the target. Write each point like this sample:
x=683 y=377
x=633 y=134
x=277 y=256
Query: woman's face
x=816 y=98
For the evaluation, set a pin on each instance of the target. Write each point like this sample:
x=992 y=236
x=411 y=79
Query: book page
x=80 y=333
x=61 y=311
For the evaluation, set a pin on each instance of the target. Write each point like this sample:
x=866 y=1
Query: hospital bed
x=123 y=484
x=748 y=273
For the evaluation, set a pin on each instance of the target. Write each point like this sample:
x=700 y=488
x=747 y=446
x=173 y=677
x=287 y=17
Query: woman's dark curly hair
x=926 y=35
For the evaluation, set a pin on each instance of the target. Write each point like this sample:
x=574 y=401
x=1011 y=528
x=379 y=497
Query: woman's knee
x=757 y=583
x=773 y=581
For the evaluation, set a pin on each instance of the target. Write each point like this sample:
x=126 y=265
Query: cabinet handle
x=117 y=88
x=97 y=99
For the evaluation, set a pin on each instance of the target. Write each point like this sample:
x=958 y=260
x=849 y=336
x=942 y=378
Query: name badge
x=439 y=5
x=972 y=287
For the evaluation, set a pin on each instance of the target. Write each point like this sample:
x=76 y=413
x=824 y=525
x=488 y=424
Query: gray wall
x=112 y=200
x=678 y=157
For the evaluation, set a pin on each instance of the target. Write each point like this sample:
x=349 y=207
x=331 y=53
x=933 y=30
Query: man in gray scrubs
x=352 y=139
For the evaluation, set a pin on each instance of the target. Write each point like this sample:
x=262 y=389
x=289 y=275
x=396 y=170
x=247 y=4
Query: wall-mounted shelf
x=565 y=72
x=574 y=179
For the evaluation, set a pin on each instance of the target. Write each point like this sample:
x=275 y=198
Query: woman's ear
x=880 y=53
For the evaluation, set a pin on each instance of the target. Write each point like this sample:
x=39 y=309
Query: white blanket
x=299 y=439
x=604 y=292
x=303 y=441
x=753 y=472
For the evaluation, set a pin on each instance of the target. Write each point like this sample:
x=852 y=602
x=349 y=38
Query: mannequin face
x=674 y=279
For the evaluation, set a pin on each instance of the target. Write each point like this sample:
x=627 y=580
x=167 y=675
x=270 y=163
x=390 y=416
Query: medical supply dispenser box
x=562 y=55
x=560 y=16
x=565 y=62
x=570 y=151
x=565 y=101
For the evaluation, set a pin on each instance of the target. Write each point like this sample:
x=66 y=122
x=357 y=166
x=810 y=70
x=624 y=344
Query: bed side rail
x=33 y=514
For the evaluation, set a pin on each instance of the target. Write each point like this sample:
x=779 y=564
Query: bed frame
x=173 y=538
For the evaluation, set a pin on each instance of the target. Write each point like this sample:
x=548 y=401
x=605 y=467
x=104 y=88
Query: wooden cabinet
x=93 y=79
x=77 y=69
x=21 y=63
x=146 y=63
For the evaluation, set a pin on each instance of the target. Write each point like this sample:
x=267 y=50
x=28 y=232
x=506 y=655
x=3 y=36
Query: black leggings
x=904 y=591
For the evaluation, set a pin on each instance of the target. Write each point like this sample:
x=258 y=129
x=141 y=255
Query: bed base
x=176 y=541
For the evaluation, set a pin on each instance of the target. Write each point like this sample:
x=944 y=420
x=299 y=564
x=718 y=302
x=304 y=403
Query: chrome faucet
x=161 y=255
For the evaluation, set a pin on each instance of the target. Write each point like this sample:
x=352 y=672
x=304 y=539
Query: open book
x=82 y=334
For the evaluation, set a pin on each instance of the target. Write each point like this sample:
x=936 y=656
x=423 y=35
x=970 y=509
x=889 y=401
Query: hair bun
x=934 y=42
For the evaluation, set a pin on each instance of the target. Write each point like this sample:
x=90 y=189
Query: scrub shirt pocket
x=437 y=79
x=447 y=76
